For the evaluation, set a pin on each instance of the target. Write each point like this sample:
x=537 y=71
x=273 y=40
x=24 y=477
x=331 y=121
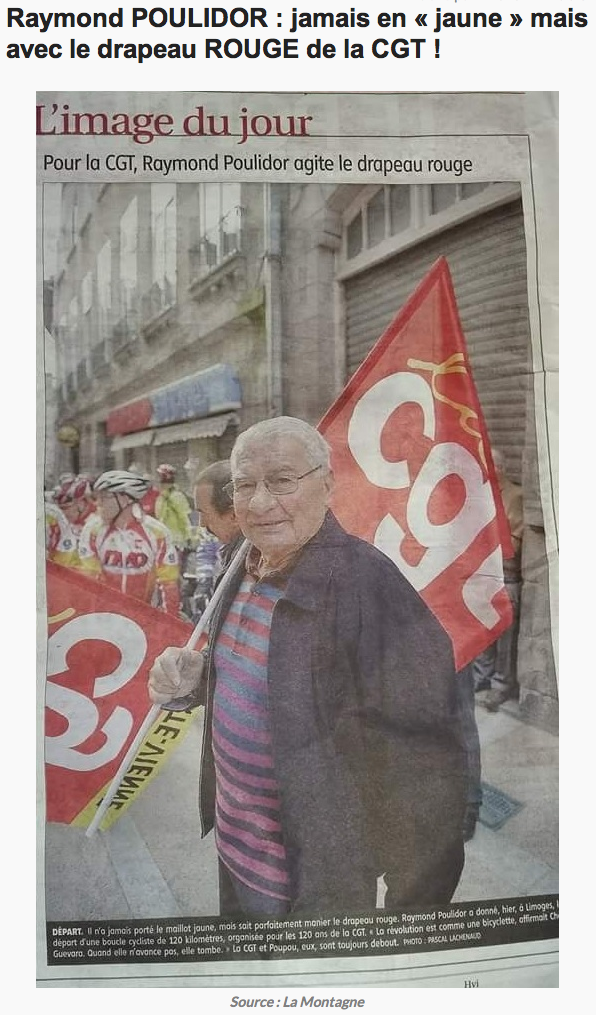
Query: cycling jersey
x=61 y=542
x=207 y=553
x=172 y=508
x=149 y=501
x=78 y=526
x=137 y=560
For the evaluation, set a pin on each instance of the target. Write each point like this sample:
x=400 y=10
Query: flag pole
x=154 y=711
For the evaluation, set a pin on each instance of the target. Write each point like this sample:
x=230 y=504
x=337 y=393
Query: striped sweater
x=247 y=815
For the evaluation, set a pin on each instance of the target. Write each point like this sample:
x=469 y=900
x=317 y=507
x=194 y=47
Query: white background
x=508 y=59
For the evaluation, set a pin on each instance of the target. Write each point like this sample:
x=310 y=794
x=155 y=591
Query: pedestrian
x=495 y=669
x=218 y=534
x=127 y=549
x=215 y=505
x=332 y=749
x=471 y=739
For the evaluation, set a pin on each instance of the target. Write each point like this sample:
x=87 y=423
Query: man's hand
x=174 y=674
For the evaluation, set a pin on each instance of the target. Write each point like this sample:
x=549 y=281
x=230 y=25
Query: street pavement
x=522 y=857
x=153 y=863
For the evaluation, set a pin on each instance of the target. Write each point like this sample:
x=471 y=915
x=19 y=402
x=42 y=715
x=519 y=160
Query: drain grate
x=496 y=807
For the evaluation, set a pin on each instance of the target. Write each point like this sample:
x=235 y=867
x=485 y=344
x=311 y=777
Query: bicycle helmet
x=74 y=488
x=121 y=481
x=166 y=473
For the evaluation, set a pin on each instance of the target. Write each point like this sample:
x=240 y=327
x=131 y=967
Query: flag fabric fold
x=414 y=471
x=101 y=645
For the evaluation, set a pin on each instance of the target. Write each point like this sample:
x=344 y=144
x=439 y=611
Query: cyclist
x=172 y=507
x=75 y=497
x=61 y=542
x=126 y=548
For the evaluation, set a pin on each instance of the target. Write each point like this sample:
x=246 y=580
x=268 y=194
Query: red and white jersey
x=135 y=560
x=84 y=516
x=61 y=541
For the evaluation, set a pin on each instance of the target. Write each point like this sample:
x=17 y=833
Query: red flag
x=101 y=645
x=414 y=472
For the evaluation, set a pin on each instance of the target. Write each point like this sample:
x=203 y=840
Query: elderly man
x=332 y=751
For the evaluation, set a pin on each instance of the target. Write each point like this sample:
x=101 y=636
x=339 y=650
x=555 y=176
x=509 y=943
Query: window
x=375 y=219
x=387 y=212
x=87 y=293
x=354 y=235
x=88 y=333
x=163 y=243
x=62 y=350
x=469 y=189
x=70 y=218
x=442 y=195
x=384 y=219
x=128 y=259
x=104 y=291
x=221 y=217
x=74 y=345
x=400 y=213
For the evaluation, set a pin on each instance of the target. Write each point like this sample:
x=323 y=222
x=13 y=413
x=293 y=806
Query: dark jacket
x=366 y=743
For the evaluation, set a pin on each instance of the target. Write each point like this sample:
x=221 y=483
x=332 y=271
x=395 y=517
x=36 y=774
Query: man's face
x=279 y=525
x=109 y=505
x=76 y=509
x=223 y=527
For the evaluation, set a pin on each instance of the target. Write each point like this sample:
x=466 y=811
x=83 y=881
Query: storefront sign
x=216 y=389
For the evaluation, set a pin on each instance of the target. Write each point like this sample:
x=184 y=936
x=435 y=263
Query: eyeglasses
x=277 y=486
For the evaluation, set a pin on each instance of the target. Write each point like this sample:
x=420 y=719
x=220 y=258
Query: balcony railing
x=83 y=378
x=216 y=245
x=124 y=332
x=161 y=296
x=99 y=360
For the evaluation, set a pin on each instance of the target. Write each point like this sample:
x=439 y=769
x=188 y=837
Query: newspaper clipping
x=297 y=670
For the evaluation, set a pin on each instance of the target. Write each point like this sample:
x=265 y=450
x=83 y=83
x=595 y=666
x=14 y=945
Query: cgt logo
x=441 y=542
x=79 y=711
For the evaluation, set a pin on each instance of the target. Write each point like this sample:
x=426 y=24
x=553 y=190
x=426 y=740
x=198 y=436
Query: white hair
x=315 y=446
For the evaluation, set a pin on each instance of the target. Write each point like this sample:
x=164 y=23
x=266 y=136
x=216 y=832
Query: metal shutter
x=487 y=259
